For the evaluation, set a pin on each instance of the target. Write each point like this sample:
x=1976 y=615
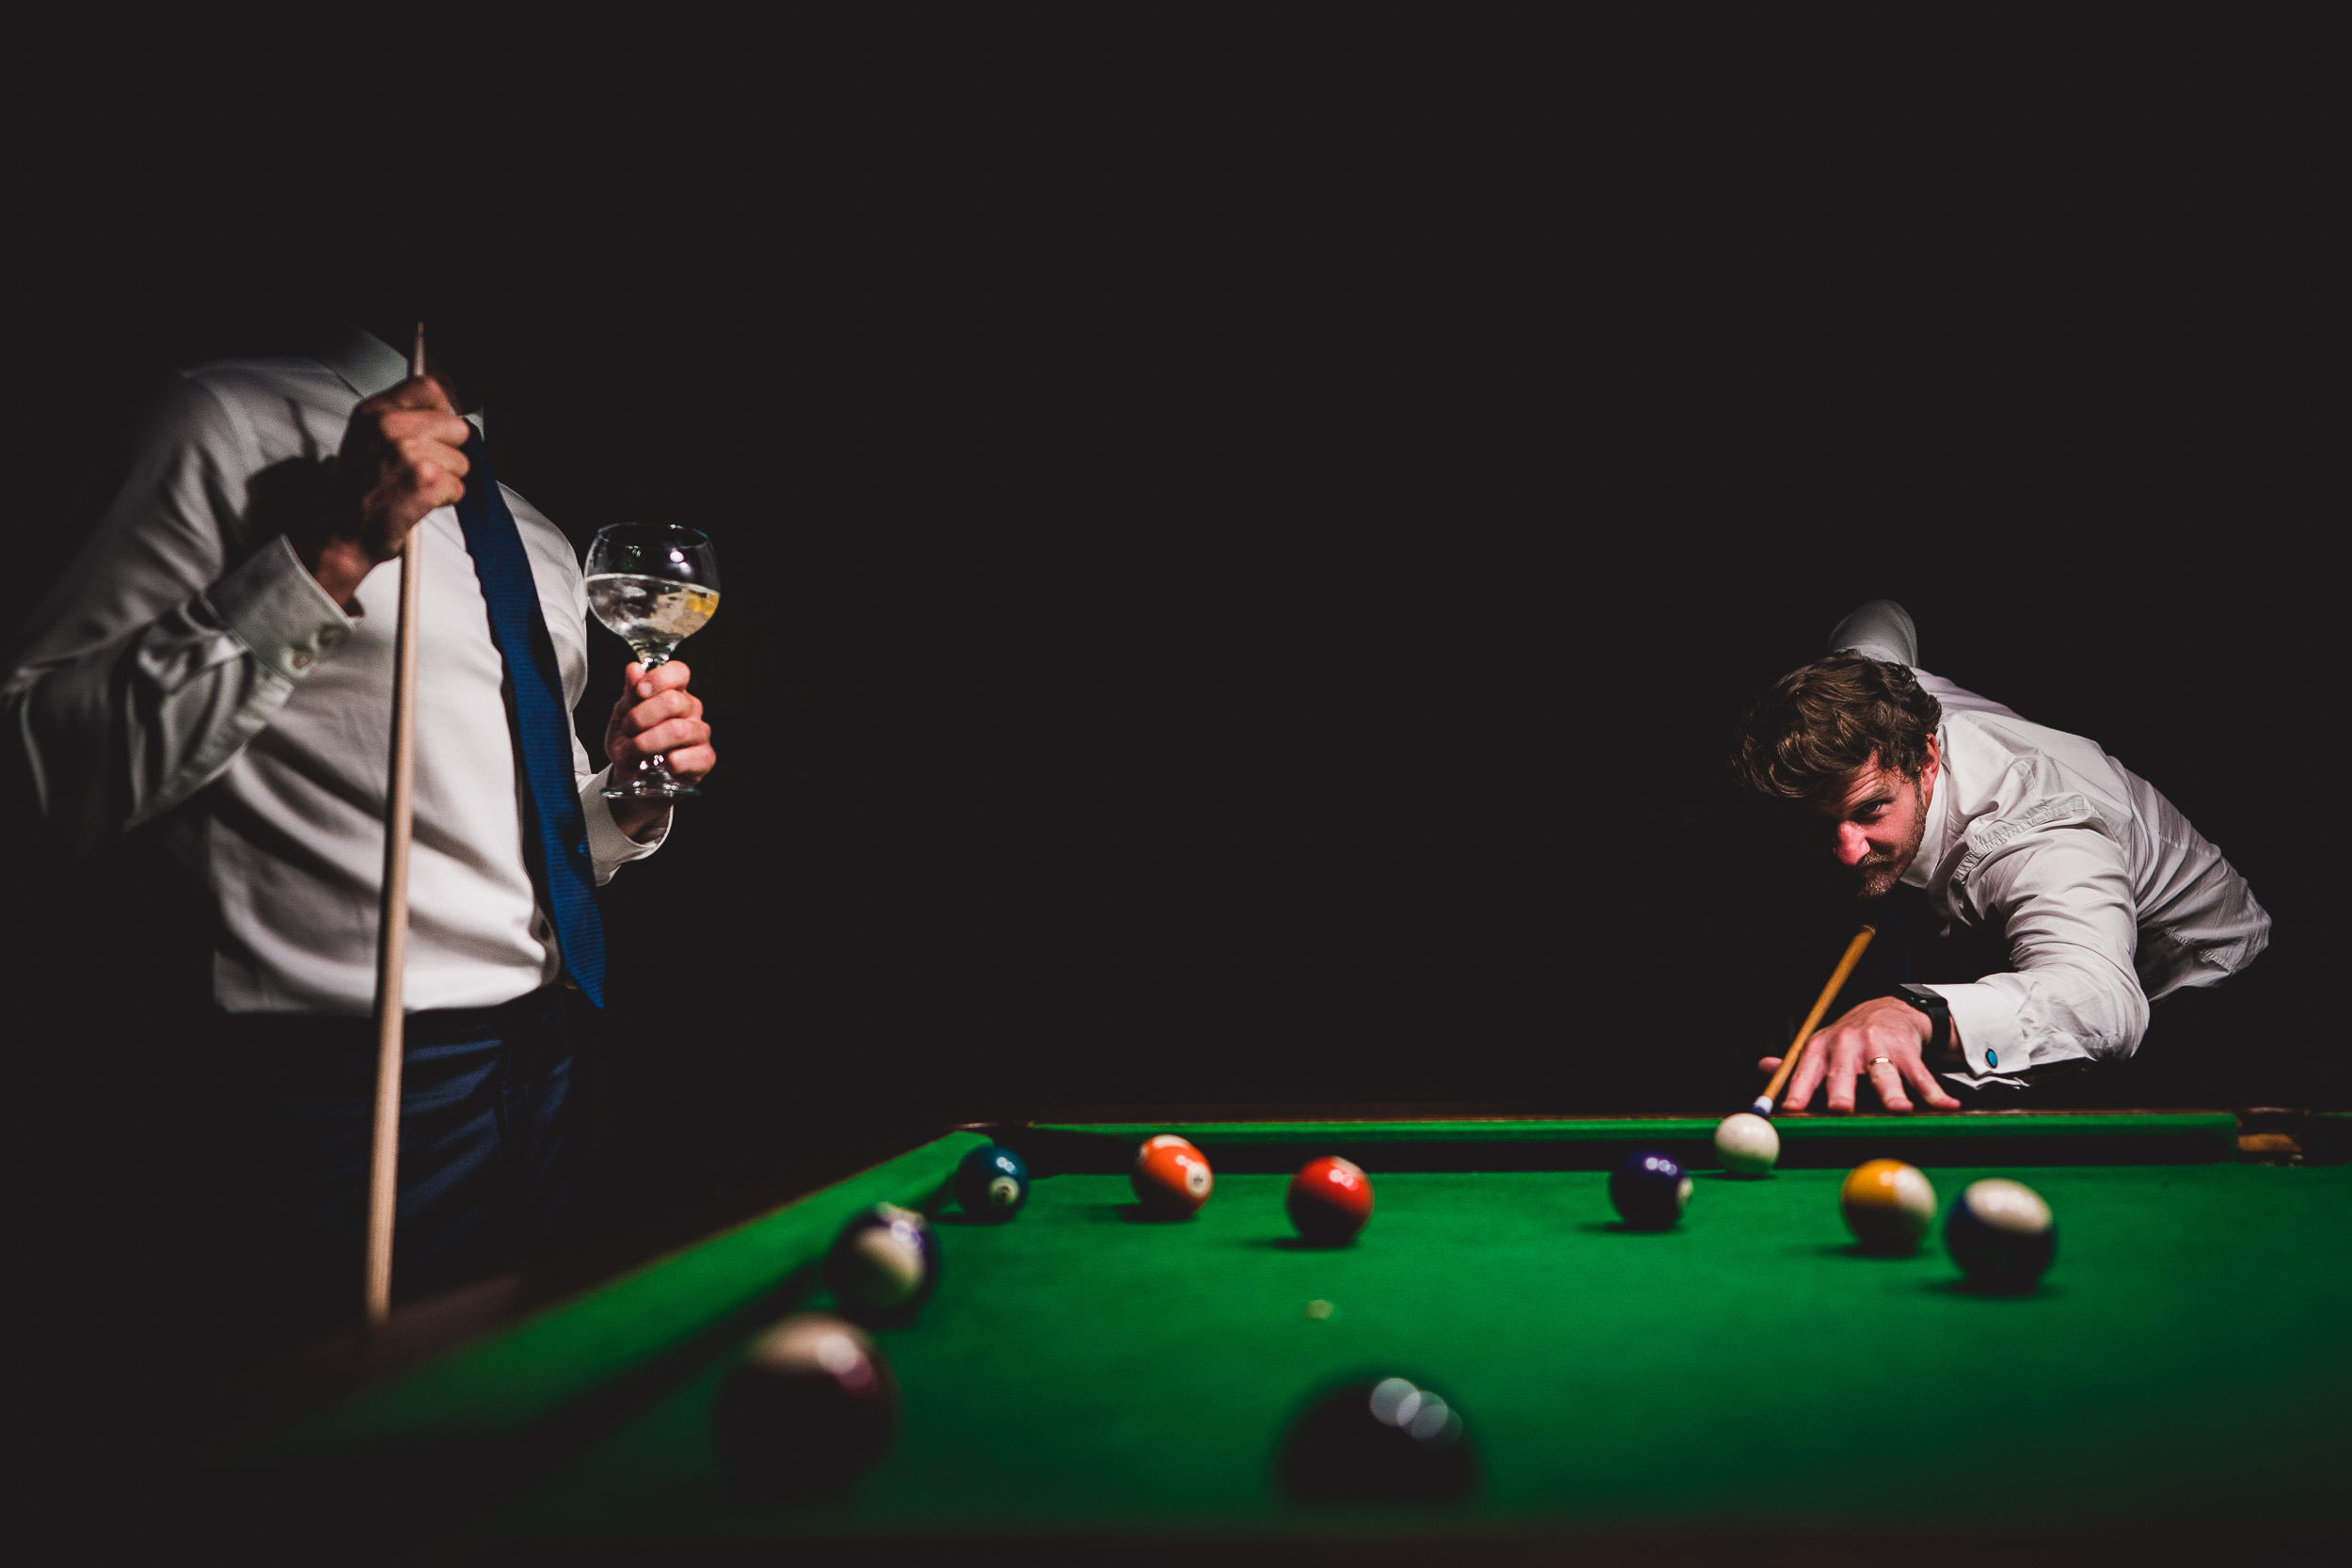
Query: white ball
x=1747 y=1144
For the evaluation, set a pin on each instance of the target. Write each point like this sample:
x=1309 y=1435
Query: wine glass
x=655 y=584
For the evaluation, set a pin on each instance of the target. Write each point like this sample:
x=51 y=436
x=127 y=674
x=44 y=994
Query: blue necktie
x=543 y=723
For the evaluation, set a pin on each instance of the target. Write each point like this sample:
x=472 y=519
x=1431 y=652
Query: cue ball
x=1649 y=1190
x=810 y=1407
x=1171 y=1179
x=1329 y=1200
x=1747 y=1144
x=2001 y=1234
x=1388 y=1441
x=991 y=1183
x=883 y=1265
x=1888 y=1205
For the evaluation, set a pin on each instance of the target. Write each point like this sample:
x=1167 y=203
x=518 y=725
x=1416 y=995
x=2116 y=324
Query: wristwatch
x=1938 y=1010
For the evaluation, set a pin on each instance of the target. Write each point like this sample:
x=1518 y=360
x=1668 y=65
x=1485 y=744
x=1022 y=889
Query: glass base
x=650 y=779
x=650 y=789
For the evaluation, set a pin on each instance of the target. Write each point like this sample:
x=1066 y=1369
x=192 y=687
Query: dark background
x=1279 y=644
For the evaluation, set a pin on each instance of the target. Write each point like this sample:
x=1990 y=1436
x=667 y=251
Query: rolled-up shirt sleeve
x=2063 y=898
x=170 y=643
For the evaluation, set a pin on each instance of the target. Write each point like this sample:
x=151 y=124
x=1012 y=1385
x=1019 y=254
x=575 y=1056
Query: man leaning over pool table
x=2106 y=895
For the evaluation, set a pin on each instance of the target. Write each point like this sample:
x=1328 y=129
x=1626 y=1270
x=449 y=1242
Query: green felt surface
x=506 y=1384
x=2187 y=1358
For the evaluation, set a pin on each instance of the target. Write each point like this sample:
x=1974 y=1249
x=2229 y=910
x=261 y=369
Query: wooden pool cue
x=392 y=945
x=1763 y=1106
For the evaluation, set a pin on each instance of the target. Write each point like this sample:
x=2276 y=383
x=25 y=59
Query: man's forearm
x=340 y=565
x=120 y=733
x=642 y=820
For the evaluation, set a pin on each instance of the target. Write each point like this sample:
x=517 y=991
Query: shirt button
x=301 y=658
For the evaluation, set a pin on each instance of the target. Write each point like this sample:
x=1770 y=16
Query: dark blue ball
x=1649 y=1190
x=1380 y=1444
x=884 y=1266
x=2001 y=1234
x=991 y=1183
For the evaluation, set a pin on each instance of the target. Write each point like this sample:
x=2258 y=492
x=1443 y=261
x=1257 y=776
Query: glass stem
x=649 y=777
x=656 y=768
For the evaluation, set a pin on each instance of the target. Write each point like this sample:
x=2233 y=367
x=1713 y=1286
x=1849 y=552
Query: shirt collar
x=366 y=363
x=1921 y=871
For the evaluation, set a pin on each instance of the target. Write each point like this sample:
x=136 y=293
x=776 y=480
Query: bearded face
x=1875 y=874
x=1876 y=823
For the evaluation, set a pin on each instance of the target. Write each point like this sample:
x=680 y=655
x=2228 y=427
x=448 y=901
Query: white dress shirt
x=2107 y=896
x=189 y=672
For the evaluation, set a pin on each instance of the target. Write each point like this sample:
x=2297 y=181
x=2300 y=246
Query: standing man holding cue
x=2104 y=897
x=216 y=671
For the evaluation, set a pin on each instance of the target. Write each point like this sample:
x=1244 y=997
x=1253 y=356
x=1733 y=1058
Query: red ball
x=1330 y=1200
x=1171 y=1176
x=1163 y=1140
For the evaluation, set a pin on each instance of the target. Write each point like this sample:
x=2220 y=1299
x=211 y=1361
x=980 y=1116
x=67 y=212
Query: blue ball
x=991 y=1183
x=2001 y=1234
x=884 y=1266
x=1649 y=1190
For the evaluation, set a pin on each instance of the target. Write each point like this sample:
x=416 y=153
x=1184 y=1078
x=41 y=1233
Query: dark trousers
x=491 y=1147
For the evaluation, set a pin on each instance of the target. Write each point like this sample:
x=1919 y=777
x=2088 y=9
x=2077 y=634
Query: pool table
x=1088 y=1380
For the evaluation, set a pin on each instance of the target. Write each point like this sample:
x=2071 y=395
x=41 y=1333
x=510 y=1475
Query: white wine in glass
x=653 y=585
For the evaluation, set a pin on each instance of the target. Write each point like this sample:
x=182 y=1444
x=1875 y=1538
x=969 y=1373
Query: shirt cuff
x=1992 y=1035
x=609 y=848
x=276 y=608
x=1979 y=1080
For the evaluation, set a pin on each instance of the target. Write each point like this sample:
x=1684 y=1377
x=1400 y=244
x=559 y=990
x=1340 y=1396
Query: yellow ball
x=1888 y=1205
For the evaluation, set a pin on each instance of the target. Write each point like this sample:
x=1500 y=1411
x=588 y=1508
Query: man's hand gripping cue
x=1853 y=1045
x=403 y=457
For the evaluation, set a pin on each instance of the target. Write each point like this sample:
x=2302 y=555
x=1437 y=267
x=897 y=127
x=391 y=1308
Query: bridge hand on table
x=1842 y=1052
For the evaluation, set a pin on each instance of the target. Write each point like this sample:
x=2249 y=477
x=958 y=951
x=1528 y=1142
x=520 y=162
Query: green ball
x=992 y=1182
